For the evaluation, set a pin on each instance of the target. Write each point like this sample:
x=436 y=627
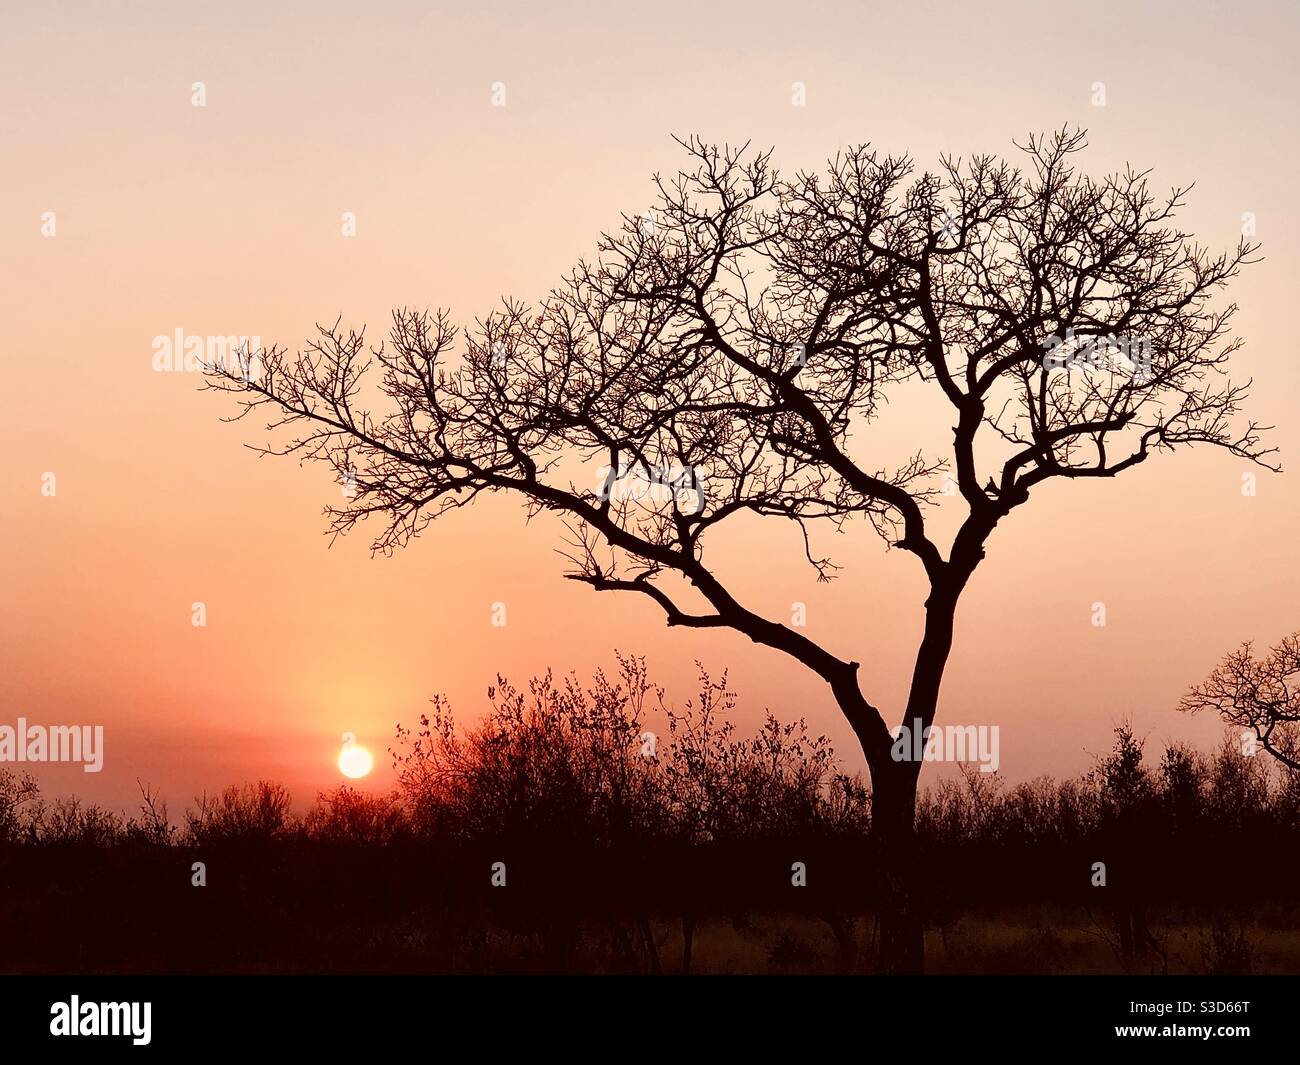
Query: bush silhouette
x=629 y=827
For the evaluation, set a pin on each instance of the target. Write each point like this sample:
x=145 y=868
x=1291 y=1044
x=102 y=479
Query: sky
x=226 y=219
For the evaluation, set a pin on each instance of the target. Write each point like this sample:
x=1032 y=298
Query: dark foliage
x=613 y=812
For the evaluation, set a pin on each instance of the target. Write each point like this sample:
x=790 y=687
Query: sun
x=354 y=762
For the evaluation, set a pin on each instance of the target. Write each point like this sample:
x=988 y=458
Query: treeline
x=563 y=828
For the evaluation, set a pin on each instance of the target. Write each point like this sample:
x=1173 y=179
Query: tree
x=726 y=355
x=1261 y=694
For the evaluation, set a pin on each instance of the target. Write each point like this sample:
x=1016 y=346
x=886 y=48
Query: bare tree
x=726 y=354
x=1261 y=694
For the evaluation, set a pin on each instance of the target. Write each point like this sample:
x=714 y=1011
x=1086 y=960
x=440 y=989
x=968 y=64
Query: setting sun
x=354 y=762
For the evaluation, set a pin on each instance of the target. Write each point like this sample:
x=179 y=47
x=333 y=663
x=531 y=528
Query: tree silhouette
x=1261 y=694
x=726 y=354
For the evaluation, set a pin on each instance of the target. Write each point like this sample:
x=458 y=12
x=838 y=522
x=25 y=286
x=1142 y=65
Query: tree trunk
x=894 y=789
x=902 y=930
x=648 y=938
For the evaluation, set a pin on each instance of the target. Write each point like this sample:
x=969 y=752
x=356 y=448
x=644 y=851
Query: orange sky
x=226 y=220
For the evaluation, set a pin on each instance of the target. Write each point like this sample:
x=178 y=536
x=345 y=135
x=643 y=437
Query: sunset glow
x=424 y=241
x=355 y=762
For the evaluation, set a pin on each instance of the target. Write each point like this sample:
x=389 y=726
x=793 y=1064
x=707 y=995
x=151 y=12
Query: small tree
x=15 y=793
x=1260 y=694
x=242 y=813
x=726 y=354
